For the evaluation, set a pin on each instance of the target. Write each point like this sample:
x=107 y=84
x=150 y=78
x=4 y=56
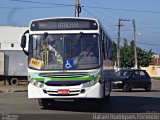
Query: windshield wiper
x=91 y=49
x=44 y=36
x=75 y=42
x=78 y=38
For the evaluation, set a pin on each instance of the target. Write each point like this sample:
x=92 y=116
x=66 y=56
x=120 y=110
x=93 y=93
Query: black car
x=131 y=78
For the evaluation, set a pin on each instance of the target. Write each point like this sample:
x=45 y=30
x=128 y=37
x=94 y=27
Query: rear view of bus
x=66 y=59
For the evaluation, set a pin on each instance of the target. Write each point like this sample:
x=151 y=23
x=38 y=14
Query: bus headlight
x=91 y=83
x=35 y=83
x=41 y=85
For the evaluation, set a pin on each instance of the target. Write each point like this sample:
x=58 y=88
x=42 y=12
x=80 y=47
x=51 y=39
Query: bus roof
x=66 y=18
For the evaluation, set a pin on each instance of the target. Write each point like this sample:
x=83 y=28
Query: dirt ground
x=22 y=87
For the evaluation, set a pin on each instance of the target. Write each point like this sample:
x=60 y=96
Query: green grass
x=156 y=78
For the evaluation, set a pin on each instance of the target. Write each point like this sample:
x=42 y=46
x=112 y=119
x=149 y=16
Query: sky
x=145 y=12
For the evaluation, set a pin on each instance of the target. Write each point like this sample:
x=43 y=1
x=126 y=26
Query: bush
x=156 y=78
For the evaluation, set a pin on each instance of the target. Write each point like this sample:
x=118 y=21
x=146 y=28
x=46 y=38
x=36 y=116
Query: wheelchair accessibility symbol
x=68 y=64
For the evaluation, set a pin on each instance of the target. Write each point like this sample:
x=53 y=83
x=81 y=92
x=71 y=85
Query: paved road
x=137 y=101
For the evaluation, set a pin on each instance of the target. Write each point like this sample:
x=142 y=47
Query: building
x=154 y=68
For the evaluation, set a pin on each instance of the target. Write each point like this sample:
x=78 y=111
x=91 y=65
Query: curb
x=20 y=91
x=12 y=91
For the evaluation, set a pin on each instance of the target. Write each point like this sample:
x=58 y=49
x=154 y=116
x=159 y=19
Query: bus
x=67 y=58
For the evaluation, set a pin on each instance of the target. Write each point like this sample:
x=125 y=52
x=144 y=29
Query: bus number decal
x=35 y=63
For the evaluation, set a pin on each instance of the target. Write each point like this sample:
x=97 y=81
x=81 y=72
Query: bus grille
x=64 y=75
x=64 y=83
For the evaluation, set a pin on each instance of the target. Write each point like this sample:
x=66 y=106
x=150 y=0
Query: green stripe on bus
x=65 y=79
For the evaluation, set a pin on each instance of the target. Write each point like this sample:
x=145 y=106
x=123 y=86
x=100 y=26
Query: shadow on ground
x=134 y=90
x=117 y=104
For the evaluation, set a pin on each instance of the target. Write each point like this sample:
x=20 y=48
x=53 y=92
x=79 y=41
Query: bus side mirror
x=23 y=42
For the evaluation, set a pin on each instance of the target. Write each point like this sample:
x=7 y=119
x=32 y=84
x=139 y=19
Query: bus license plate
x=64 y=92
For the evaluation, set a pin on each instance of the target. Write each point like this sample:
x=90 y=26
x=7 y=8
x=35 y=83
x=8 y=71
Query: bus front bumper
x=95 y=91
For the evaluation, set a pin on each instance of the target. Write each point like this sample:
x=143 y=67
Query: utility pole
x=135 y=50
x=77 y=8
x=118 y=45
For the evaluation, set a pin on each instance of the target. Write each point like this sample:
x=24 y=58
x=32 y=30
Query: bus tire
x=44 y=103
x=14 y=81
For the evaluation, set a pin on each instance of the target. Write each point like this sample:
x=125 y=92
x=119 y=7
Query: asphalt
x=11 y=89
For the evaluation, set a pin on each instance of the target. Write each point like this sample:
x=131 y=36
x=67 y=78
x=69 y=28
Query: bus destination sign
x=68 y=25
x=64 y=24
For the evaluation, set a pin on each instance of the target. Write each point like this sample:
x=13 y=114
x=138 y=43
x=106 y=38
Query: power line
x=151 y=44
x=126 y=10
x=119 y=9
x=31 y=7
x=105 y=15
x=93 y=2
x=90 y=13
x=146 y=43
x=151 y=27
x=98 y=18
x=33 y=2
x=68 y=5
x=111 y=24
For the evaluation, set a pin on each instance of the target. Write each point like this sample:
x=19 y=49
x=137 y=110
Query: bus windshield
x=64 y=51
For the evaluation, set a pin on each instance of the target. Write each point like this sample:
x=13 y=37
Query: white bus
x=67 y=58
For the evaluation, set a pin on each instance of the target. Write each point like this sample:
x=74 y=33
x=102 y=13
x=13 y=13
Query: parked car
x=131 y=78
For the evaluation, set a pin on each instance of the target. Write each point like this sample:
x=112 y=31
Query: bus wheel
x=14 y=81
x=44 y=103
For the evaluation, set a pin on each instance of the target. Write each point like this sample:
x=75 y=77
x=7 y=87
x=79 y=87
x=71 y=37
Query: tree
x=127 y=59
x=144 y=57
x=126 y=55
x=114 y=51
